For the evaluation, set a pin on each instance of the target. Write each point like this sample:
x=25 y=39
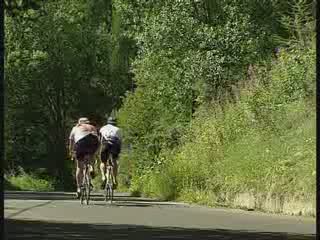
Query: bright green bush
x=28 y=182
x=265 y=142
x=249 y=133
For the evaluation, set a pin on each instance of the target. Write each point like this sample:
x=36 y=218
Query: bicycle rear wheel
x=111 y=178
x=87 y=186
x=107 y=193
x=85 y=189
x=111 y=193
x=82 y=194
x=109 y=185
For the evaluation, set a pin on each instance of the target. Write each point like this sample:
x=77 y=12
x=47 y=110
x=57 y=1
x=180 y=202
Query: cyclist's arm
x=71 y=142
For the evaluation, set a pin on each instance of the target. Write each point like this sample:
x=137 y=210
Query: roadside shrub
x=28 y=182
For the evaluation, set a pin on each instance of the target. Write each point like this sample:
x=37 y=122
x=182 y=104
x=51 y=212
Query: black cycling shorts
x=86 y=146
x=113 y=147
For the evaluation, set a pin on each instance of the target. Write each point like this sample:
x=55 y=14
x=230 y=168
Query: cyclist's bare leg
x=79 y=173
x=108 y=174
x=88 y=160
x=103 y=170
x=115 y=171
x=85 y=162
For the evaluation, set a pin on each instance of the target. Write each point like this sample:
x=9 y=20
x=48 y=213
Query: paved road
x=58 y=216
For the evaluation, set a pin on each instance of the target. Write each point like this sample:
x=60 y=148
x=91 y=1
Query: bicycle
x=85 y=189
x=109 y=182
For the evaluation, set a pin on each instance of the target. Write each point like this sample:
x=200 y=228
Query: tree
x=54 y=77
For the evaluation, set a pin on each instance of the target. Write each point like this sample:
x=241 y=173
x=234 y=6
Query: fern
x=299 y=23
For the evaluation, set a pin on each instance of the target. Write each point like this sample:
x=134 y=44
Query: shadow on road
x=34 y=230
x=71 y=196
x=128 y=203
x=96 y=200
x=29 y=208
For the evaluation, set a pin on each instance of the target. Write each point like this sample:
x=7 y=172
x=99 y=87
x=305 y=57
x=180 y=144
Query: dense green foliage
x=206 y=105
x=64 y=60
x=263 y=143
x=213 y=111
x=28 y=181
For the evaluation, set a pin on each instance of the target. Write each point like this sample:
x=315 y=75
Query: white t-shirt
x=110 y=131
x=79 y=132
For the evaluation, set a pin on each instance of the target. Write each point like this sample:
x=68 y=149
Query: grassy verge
x=27 y=182
x=256 y=160
x=262 y=144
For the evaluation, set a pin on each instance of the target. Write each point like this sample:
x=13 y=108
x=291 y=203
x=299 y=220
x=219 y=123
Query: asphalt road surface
x=59 y=216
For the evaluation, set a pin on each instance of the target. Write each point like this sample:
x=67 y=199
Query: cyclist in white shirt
x=110 y=144
x=83 y=141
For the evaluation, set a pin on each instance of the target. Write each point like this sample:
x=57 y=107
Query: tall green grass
x=27 y=182
x=262 y=143
x=259 y=160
